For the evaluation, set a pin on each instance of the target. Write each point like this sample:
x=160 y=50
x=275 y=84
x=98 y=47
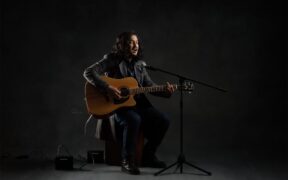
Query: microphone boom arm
x=182 y=77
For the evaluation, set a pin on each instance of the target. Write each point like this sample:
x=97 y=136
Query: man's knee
x=165 y=121
x=134 y=121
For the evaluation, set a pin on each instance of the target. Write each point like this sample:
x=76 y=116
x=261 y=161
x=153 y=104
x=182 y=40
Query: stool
x=113 y=151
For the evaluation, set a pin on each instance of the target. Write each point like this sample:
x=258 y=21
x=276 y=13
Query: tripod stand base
x=181 y=160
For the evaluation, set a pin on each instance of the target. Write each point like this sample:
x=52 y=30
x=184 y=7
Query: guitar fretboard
x=159 y=88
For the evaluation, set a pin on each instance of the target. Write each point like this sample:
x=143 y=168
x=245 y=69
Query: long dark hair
x=123 y=40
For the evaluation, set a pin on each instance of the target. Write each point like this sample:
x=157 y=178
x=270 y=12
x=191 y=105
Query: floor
x=222 y=169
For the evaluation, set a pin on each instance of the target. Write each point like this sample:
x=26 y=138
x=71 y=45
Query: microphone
x=147 y=66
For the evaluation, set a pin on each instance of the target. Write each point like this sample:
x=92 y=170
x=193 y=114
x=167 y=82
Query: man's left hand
x=170 y=88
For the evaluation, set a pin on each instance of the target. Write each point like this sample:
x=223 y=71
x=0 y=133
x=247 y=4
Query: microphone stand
x=181 y=157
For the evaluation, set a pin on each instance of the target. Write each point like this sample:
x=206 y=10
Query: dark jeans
x=155 y=125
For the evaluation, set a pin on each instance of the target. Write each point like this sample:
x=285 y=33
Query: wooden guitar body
x=100 y=105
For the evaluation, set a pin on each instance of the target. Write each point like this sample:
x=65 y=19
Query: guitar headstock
x=188 y=86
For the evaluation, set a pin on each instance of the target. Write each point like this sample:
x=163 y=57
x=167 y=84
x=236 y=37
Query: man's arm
x=92 y=73
x=148 y=82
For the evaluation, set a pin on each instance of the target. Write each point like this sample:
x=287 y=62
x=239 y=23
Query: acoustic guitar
x=101 y=105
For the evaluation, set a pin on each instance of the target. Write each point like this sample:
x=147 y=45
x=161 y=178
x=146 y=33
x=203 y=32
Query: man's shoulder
x=108 y=57
x=140 y=62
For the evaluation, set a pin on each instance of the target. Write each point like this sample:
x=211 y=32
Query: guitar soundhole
x=124 y=94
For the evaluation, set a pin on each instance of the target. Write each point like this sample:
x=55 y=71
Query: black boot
x=129 y=167
x=150 y=160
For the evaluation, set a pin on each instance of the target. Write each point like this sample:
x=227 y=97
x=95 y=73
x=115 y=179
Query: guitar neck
x=159 y=88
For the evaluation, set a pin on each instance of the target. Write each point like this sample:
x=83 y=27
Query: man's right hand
x=113 y=92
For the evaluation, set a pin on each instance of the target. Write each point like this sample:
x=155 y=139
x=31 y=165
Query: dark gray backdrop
x=238 y=46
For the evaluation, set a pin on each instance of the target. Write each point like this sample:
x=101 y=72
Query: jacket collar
x=137 y=69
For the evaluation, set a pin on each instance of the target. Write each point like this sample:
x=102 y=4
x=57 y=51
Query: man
x=124 y=61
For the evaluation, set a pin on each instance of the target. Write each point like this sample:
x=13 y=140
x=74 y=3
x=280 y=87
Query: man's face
x=133 y=45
